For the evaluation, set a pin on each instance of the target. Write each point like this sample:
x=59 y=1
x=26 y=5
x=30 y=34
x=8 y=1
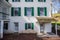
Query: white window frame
x=15 y=8
x=41 y=0
x=42 y=13
x=30 y=12
x=28 y=25
x=42 y=27
x=16 y=27
x=29 y=0
x=16 y=1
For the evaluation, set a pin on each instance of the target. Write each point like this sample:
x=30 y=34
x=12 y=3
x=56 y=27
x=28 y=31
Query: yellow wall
x=57 y=16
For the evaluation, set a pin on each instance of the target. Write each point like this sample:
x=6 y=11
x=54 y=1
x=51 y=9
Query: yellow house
x=57 y=17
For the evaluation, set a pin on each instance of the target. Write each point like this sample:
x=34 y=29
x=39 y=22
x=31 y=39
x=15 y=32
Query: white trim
x=56 y=28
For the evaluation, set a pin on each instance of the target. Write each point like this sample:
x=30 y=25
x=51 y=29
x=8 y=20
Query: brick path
x=24 y=36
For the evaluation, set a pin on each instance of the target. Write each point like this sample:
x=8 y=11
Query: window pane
x=29 y=26
x=12 y=11
x=41 y=11
x=16 y=0
x=44 y=0
x=29 y=0
x=6 y=25
x=41 y=0
x=16 y=26
x=7 y=0
x=16 y=11
x=29 y=11
x=42 y=28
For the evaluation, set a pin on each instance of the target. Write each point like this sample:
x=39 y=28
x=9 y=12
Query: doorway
x=16 y=26
x=5 y=26
x=42 y=28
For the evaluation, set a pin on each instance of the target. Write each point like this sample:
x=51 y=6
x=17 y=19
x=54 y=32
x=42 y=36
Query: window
x=29 y=0
x=29 y=26
x=16 y=26
x=42 y=11
x=42 y=28
x=7 y=0
x=15 y=0
x=6 y=25
x=41 y=0
x=29 y=11
x=16 y=11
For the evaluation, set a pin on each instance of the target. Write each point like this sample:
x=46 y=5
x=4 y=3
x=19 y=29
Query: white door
x=42 y=28
x=16 y=26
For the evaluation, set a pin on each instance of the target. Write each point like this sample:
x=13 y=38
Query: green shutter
x=7 y=0
x=18 y=0
x=38 y=11
x=19 y=12
x=12 y=0
x=38 y=0
x=32 y=11
x=28 y=1
x=12 y=11
x=44 y=0
x=25 y=26
x=25 y=11
x=25 y=0
x=32 y=25
x=31 y=1
x=45 y=11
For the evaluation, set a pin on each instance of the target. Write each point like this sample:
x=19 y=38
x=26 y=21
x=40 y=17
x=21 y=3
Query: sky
x=55 y=6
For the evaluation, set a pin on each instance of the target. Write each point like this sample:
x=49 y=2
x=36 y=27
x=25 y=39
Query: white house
x=4 y=15
x=26 y=15
x=30 y=15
